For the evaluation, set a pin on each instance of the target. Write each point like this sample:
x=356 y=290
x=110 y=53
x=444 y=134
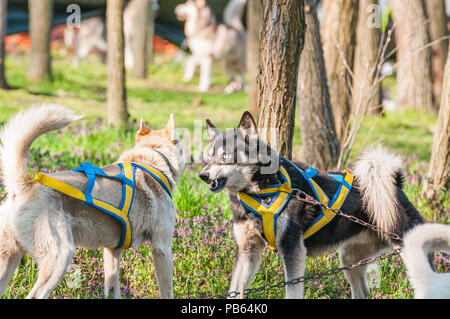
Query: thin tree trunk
x=282 y=38
x=437 y=21
x=138 y=15
x=339 y=40
x=3 y=29
x=40 y=21
x=365 y=89
x=320 y=147
x=254 y=22
x=117 y=111
x=440 y=155
x=414 y=82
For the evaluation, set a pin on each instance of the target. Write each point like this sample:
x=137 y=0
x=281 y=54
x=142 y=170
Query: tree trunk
x=138 y=15
x=339 y=40
x=437 y=21
x=320 y=147
x=282 y=38
x=3 y=28
x=414 y=82
x=440 y=155
x=117 y=111
x=366 y=89
x=40 y=21
x=254 y=22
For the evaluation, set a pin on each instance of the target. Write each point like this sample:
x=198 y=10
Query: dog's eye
x=225 y=155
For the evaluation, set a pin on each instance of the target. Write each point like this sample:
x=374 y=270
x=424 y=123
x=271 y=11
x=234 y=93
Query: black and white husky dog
x=240 y=161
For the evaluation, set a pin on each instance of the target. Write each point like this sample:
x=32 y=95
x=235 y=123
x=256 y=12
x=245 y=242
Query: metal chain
x=333 y=271
x=306 y=198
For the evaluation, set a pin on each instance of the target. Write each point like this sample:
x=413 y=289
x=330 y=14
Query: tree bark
x=117 y=110
x=437 y=21
x=440 y=155
x=282 y=38
x=339 y=40
x=320 y=147
x=254 y=22
x=414 y=82
x=3 y=29
x=138 y=14
x=40 y=21
x=366 y=90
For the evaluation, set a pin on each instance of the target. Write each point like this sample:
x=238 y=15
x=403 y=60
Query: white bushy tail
x=417 y=245
x=18 y=134
x=378 y=174
x=232 y=15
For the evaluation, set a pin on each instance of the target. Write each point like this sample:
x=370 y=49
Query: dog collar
x=127 y=177
x=281 y=195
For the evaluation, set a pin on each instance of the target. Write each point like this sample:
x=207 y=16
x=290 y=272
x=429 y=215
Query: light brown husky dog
x=48 y=225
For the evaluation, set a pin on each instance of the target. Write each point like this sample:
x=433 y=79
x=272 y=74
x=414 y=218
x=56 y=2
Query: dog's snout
x=204 y=176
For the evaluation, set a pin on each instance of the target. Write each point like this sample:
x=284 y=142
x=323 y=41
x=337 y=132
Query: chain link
x=306 y=198
x=315 y=276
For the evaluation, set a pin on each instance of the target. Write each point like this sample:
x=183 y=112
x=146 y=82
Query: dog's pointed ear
x=211 y=130
x=247 y=125
x=143 y=128
x=169 y=130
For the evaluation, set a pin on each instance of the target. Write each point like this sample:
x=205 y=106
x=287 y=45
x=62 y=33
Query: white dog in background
x=418 y=243
x=209 y=41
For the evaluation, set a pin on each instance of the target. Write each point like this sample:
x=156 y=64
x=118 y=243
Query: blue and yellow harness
x=281 y=195
x=128 y=180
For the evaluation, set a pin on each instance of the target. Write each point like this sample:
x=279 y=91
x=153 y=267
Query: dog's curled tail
x=232 y=15
x=378 y=174
x=18 y=134
x=418 y=243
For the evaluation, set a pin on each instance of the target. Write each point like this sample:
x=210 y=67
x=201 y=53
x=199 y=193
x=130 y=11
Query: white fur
x=207 y=43
x=375 y=172
x=418 y=243
x=18 y=134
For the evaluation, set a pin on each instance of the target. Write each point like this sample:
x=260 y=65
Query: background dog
x=49 y=225
x=236 y=159
x=418 y=244
x=209 y=41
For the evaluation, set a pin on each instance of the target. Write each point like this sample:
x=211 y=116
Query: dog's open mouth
x=217 y=185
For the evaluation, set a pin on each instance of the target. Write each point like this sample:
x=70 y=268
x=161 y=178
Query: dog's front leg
x=111 y=258
x=250 y=246
x=205 y=74
x=292 y=250
x=189 y=69
x=162 y=255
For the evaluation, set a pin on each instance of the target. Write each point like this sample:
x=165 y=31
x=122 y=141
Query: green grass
x=203 y=247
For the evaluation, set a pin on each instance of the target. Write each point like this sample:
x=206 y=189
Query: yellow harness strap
x=327 y=215
x=128 y=184
x=269 y=212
